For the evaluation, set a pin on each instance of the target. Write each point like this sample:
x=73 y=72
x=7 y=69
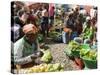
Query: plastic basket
x=76 y=53
x=91 y=64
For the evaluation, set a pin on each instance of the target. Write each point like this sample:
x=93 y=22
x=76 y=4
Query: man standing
x=44 y=21
x=51 y=15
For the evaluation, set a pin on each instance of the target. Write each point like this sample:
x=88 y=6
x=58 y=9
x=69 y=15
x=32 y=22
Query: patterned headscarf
x=30 y=29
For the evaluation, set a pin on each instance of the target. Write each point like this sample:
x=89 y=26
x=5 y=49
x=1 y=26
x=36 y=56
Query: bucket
x=90 y=64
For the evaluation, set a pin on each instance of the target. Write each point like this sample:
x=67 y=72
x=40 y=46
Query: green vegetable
x=49 y=67
x=73 y=49
x=47 y=57
x=57 y=66
x=46 y=68
x=85 y=46
x=54 y=34
x=88 y=54
x=73 y=45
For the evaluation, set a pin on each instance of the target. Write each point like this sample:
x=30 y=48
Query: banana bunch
x=46 y=68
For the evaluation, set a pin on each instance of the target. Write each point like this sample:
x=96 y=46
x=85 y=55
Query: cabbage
x=57 y=66
x=88 y=54
x=47 y=57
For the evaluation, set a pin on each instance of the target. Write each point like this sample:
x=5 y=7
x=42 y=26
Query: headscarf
x=30 y=29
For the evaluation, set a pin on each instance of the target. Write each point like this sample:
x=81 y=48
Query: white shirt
x=93 y=13
x=44 y=13
x=16 y=31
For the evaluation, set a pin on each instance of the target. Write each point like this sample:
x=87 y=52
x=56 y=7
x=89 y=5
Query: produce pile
x=88 y=54
x=56 y=36
x=72 y=47
x=47 y=57
x=89 y=58
x=84 y=52
x=46 y=68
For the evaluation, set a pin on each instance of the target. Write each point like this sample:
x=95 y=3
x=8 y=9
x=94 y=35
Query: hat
x=30 y=29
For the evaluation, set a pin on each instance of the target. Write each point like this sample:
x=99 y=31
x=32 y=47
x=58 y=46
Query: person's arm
x=30 y=58
x=27 y=59
x=24 y=60
x=18 y=54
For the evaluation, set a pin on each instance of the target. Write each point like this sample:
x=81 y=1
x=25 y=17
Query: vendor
x=44 y=21
x=26 y=49
x=68 y=28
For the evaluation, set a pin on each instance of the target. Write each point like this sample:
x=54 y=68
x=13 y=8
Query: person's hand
x=33 y=56
x=39 y=54
x=38 y=61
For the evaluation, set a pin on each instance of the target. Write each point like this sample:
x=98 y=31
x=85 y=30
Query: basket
x=91 y=64
x=76 y=53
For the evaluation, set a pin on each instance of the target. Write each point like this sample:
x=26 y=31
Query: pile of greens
x=47 y=57
x=74 y=45
x=72 y=48
x=54 y=34
x=55 y=67
x=89 y=57
x=88 y=54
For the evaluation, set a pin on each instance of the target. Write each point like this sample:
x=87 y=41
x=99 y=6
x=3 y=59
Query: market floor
x=57 y=50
